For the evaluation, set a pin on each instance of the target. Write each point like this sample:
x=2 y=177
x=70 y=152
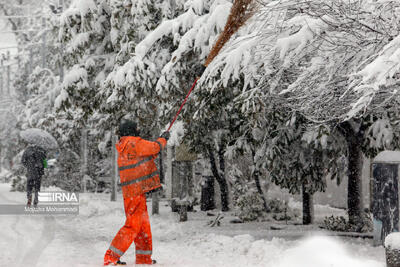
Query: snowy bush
x=341 y=224
x=244 y=194
x=335 y=223
x=279 y=210
x=277 y=205
x=18 y=183
x=17 y=172
x=250 y=206
x=5 y=175
x=363 y=225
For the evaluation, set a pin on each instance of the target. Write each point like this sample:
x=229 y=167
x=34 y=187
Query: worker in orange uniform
x=138 y=175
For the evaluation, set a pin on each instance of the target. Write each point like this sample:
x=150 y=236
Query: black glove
x=199 y=70
x=165 y=135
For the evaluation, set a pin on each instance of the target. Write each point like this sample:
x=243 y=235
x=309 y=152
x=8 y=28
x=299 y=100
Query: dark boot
x=29 y=203
x=36 y=199
x=112 y=259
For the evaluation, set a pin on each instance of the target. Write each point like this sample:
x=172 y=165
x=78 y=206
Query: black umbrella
x=39 y=137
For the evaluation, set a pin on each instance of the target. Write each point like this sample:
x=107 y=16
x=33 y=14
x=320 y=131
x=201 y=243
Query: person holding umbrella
x=34 y=160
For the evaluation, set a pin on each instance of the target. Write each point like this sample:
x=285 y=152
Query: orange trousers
x=136 y=229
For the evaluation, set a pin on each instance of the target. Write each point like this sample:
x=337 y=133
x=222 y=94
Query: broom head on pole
x=241 y=11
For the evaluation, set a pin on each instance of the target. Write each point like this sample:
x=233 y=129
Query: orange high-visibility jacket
x=137 y=169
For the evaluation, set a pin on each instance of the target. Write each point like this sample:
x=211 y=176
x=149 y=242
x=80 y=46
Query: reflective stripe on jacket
x=137 y=169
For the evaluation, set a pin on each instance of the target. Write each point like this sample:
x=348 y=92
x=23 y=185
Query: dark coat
x=33 y=160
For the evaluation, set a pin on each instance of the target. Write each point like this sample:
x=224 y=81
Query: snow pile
x=93 y=205
x=186 y=245
x=392 y=241
x=217 y=251
x=240 y=250
x=322 y=252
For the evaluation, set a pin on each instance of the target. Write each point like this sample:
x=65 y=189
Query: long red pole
x=184 y=102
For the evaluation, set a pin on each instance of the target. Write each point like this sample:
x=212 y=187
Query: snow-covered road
x=65 y=241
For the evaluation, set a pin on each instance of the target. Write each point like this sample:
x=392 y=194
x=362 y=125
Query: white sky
x=6 y=39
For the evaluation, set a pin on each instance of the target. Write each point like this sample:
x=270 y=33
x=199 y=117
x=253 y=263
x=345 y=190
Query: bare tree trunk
x=256 y=176
x=220 y=179
x=308 y=207
x=354 y=197
x=355 y=160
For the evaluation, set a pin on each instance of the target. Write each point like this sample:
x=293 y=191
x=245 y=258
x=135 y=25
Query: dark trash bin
x=385 y=195
x=207 y=193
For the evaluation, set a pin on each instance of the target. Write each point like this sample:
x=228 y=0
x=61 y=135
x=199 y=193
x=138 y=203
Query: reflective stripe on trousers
x=144 y=252
x=114 y=249
x=136 y=229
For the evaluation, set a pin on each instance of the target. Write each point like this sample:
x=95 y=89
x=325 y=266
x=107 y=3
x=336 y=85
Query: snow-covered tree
x=151 y=85
x=31 y=23
x=99 y=37
x=309 y=57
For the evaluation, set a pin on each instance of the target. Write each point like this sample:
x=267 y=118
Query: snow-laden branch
x=380 y=74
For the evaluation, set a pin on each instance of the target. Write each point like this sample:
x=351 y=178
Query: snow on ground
x=81 y=241
x=3 y=173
